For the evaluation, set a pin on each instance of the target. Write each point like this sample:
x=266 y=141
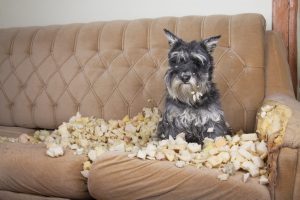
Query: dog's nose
x=185 y=78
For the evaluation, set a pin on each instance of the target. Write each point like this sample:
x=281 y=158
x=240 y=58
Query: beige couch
x=110 y=69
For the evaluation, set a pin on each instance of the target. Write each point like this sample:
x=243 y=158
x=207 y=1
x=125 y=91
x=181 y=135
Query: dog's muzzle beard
x=184 y=91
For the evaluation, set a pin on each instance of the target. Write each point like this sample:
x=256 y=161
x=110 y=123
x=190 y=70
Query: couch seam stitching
x=175 y=26
x=81 y=71
x=100 y=104
x=125 y=57
x=229 y=31
x=202 y=27
x=99 y=38
x=45 y=83
x=12 y=72
x=296 y=172
x=56 y=71
x=39 y=78
x=2 y=89
x=33 y=72
x=149 y=35
x=116 y=84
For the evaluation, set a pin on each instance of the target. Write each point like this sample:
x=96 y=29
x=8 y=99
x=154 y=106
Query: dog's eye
x=181 y=59
x=194 y=74
x=172 y=61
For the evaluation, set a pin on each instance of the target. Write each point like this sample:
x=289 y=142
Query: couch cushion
x=7 y=195
x=115 y=176
x=25 y=168
x=111 y=69
x=14 y=132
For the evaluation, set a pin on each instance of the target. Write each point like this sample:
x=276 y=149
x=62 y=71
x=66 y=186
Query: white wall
x=14 y=13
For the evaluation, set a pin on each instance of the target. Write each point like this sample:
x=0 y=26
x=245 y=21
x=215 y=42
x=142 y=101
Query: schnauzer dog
x=192 y=103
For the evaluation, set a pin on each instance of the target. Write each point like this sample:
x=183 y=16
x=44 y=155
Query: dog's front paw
x=190 y=137
x=217 y=129
x=161 y=130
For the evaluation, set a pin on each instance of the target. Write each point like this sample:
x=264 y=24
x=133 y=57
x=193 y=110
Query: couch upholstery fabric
x=6 y=131
x=138 y=179
x=278 y=79
x=287 y=184
x=25 y=168
x=110 y=69
x=6 y=195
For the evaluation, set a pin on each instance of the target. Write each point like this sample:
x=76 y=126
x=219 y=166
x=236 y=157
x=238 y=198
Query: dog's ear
x=172 y=39
x=211 y=43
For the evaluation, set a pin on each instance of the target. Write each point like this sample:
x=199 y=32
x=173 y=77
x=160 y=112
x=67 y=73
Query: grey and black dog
x=192 y=103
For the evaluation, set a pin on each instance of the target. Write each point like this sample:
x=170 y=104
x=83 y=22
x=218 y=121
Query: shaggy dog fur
x=192 y=104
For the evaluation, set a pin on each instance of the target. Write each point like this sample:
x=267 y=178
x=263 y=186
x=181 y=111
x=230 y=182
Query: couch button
x=22 y=87
x=43 y=86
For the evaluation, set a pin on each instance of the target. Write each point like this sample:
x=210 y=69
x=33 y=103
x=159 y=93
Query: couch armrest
x=281 y=126
x=277 y=76
x=278 y=121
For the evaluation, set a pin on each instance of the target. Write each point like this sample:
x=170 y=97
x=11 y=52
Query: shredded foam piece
x=180 y=164
x=24 y=138
x=246 y=177
x=55 y=151
x=85 y=173
x=263 y=180
x=8 y=139
x=210 y=129
x=141 y=154
x=249 y=137
x=223 y=177
x=229 y=168
x=272 y=121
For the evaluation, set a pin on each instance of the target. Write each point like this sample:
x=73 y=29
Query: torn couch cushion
x=115 y=176
x=25 y=168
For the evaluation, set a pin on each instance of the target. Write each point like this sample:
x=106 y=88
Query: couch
x=110 y=69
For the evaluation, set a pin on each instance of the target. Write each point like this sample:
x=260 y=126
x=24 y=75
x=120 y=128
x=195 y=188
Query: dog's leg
x=220 y=129
x=192 y=137
x=160 y=130
x=166 y=129
x=163 y=129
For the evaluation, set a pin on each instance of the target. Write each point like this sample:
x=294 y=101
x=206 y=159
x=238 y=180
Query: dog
x=192 y=104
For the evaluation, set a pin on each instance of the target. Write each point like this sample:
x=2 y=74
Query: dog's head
x=191 y=66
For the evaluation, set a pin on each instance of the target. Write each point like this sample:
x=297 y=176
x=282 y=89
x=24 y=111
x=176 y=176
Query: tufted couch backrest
x=110 y=69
